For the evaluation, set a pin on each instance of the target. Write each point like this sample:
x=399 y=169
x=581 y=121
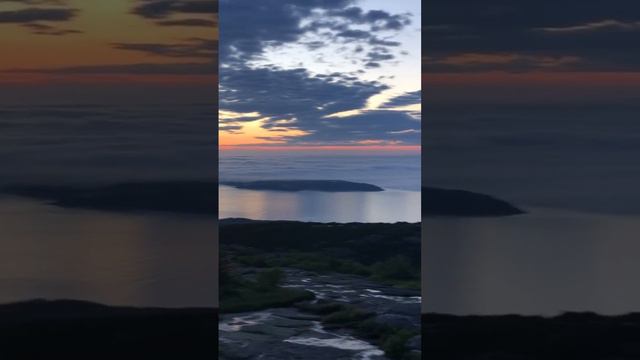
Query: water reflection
x=545 y=262
x=386 y=206
x=143 y=260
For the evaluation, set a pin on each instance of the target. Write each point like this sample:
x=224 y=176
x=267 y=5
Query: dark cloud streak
x=32 y=17
x=161 y=9
x=600 y=35
x=173 y=12
x=190 y=48
x=127 y=69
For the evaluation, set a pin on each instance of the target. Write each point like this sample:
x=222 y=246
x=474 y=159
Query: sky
x=531 y=51
x=116 y=51
x=107 y=90
x=320 y=75
x=535 y=102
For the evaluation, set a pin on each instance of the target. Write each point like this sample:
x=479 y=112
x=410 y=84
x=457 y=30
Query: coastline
x=69 y=329
x=572 y=335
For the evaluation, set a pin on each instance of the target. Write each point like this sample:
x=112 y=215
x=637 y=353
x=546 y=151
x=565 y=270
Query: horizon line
x=416 y=148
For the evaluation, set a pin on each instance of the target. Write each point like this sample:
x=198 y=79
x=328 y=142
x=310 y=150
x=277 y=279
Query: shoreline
x=571 y=335
x=71 y=329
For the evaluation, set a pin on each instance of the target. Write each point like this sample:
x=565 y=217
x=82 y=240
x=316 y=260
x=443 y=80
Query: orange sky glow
x=102 y=24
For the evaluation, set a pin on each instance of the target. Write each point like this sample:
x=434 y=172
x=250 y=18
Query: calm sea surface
x=164 y=259
x=385 y=206
x=398 y=173
x=575 y=169
x=544 y=262
x=124 y=259
x=139 y=260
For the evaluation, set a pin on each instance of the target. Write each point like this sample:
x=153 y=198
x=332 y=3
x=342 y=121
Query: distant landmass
x=448 y=202
x=303 y=185
x=201 y=197
x=586 y=336
x=71 y=330
x=188 y=197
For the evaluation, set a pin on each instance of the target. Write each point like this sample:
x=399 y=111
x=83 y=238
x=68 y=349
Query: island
x=201 y=196
x=304 y=185
x=185 y=197
x=449 y=202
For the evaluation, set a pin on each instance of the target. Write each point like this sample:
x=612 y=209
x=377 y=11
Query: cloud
x=278 y=22
x=604 y=25
x=410 y=98
x=172 y=12
x=379 y=56
x=511 y=62
x=188 y=22
x=32 y=18
x=127 y=69
x=294 y=104
x=409 y=103
x=377 y=18
x=381 y=126
x=190 y=48
x=376 y=41
x=182 y=13
x=585 y=35
x=31 y=15
x=36 y=2
x=286 y=93
x=160 y=9
x=230 y=128
x=356 y=34
x=296 y=100
x=43 y=29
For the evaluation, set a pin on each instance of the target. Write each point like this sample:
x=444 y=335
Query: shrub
x=395 y=268
x=394 y=345
x=269 y=279
x=347 y=315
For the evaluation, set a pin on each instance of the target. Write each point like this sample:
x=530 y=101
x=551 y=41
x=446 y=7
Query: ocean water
x=388 y=206
x=105 y=143
x=156 y=259
x=574 y=169
x=546 y=262
x=119 y=259
x=397 y=173
x=396 y=170
x=581 y=158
